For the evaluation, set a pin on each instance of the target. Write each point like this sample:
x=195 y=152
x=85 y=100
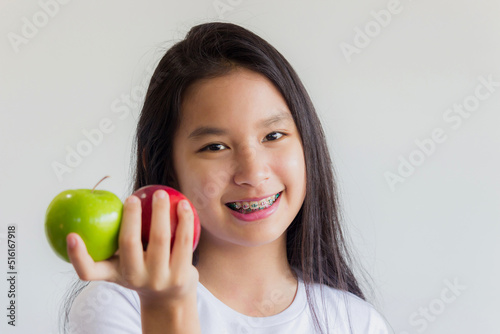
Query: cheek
x=290 y=165
x=203 y=184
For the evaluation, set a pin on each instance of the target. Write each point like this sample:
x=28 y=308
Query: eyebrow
x=203 y=131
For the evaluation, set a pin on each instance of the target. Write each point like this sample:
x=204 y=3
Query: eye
x=211 y=148
x=275 y=135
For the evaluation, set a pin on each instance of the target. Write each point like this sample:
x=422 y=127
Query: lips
x=252 y=206
x=256 y=199
x=250 y=215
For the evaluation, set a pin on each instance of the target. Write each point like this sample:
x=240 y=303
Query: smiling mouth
x=253 y=206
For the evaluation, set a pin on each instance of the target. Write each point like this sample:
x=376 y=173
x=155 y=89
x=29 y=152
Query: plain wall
x=429 y=241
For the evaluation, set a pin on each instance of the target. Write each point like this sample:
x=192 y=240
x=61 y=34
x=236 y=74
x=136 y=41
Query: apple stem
x=99 y=182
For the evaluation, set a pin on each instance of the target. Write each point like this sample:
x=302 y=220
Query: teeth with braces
x=248 y=207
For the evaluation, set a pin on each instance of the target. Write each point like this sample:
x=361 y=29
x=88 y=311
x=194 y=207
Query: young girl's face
x=237 y=140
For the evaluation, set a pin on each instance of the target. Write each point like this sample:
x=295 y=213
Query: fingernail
x=71 y=242
x=132 y=199
x=160 y=194
x=185 y=205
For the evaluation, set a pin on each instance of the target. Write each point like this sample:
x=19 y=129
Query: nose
x=251 y=167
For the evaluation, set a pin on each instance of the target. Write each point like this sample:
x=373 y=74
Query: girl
x=227 y=122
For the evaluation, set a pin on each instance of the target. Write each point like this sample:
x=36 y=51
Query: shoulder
x=105 y=307
x=347 y=309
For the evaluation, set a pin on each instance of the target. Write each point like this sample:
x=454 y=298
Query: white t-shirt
x=109 y=308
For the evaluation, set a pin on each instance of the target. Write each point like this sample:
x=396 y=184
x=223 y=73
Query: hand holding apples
x=88 y=221
x=156 y=273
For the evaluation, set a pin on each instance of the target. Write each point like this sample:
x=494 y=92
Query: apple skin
x=94 y=215
x=145 y=194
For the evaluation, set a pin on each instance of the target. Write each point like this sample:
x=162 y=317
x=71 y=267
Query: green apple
x=94 y=214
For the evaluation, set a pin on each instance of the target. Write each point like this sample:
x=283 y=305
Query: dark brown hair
x=316 y=246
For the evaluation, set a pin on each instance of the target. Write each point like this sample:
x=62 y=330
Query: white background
x=440 y=225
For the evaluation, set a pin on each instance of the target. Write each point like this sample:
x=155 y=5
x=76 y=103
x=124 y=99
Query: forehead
x=240 y=98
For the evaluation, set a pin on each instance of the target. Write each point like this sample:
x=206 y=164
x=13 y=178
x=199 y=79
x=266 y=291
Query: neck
x=256 y=281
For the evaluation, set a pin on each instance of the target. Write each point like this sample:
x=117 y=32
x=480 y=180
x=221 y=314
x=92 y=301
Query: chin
x=246 y=238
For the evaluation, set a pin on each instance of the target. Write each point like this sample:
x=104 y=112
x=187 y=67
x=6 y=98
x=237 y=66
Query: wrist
x=166 y=304
x=178 y=315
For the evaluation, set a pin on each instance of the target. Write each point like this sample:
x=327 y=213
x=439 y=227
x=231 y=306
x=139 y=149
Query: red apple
x=145 y=194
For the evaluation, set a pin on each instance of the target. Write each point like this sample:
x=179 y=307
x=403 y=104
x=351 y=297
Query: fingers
x=131 y=252
x=182 y=252
x=86 y=268
x=158 y=253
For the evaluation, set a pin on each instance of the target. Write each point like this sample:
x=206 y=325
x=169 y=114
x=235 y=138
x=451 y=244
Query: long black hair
x=315 y=243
